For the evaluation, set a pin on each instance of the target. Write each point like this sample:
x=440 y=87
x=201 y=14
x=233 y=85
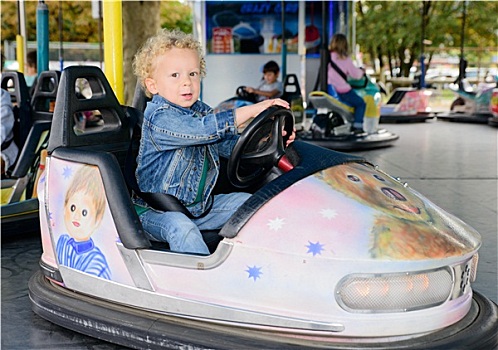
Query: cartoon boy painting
x=84 y=207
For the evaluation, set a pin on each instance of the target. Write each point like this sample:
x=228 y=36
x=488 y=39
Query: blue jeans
x=352 y=99
x=182 y=233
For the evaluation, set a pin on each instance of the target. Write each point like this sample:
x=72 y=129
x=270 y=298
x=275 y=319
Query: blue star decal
x=254 y=272
x=315 y=248
x=67 y=172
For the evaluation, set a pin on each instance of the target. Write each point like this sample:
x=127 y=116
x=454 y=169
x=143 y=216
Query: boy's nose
x=187 y=81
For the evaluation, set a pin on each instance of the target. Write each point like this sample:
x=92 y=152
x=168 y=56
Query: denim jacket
x=175 y=143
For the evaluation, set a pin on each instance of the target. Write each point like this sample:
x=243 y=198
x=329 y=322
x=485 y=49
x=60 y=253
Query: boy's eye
x=194 y=74
x=175 y=75
x=73 y=207
x=84 y=212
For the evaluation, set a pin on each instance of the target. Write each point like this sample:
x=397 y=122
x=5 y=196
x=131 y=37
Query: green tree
x=392 y=31
x=176 y=15
x=77 y=22
x=141 y=19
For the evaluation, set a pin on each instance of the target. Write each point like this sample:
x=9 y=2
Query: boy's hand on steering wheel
x=291 y=138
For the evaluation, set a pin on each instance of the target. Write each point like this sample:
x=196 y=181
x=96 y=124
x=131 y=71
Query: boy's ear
x=150 y=84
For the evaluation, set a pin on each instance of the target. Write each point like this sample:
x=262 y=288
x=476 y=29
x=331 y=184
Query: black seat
x=140 y=99
x=44 y=95
x=112 y=135
x=104 y=145
x=292 y=94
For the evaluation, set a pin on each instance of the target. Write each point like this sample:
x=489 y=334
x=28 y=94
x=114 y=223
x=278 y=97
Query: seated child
x=9 y=148
x=270 y=87
x=182 y=141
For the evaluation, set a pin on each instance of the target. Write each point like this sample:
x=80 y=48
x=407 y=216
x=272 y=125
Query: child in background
x=9 y=151
x=340 y=56
x=182 y=141
x=270 y=87
x=31 y=73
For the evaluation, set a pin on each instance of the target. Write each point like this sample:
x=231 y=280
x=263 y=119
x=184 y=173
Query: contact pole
x=113 y=46
x=21 y=36
x=42 y=37
x=284 y=44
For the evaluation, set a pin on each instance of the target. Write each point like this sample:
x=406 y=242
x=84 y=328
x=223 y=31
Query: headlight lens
x=394 y=292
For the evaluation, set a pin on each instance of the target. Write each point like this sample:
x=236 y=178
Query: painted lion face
x=377 y=190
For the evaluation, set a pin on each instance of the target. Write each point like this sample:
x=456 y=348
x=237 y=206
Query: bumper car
x=471 y=106
x=407 y=105
x=19 y=198
x=328 y=252
x=493 y=121
x=332 y=120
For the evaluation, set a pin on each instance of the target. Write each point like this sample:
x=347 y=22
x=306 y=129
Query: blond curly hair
x=164 y=40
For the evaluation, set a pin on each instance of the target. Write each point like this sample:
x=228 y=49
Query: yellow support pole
x=20 y=52
x=113 y=46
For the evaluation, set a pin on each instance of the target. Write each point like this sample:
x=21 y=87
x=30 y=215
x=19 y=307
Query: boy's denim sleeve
x=170 y=128
x=226 y=147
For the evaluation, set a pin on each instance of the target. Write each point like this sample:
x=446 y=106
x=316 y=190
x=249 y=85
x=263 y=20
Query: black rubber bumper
x=493 y=121
x=141 y=329
x=464 y=118
x=403 y=118
x=382 y=138
x=20 y=218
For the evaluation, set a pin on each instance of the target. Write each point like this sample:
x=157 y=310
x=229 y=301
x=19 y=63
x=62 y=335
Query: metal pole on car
x=284 y=44
x=21 y=36
x=324 y=52
x=113 y=46
x=42 y=37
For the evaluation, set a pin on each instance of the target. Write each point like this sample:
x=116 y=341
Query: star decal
x=254 y=272
x=275 y=224
x=315 y=248
x=67 y=172
x=328 y=213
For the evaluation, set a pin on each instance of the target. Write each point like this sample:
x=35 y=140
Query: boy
x=270 y=87
x=182 y=140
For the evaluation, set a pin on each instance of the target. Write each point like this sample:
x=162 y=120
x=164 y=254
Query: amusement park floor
x=453 y=164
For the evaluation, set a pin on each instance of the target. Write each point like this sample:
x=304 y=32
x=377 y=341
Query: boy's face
x=80 y=216
x=177 y=77
x=270 y=77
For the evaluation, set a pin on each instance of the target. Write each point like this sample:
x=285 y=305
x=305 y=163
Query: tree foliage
x=176 y=15
x=392 y=31
x=77 y=22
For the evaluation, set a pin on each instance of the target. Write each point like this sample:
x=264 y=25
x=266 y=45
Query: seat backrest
x=15 y=84
x=103 y=141
x=140 y=99
x=44 y=95
x=292 y=89
x=292 y=94
x=88 y=115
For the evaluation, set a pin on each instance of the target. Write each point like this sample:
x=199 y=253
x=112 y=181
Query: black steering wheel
x=260 y=147
x=242 y=93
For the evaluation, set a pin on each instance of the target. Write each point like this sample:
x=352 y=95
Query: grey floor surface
x=453 y=164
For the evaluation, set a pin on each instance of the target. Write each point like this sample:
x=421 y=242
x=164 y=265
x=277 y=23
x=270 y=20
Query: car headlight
x=394 y=292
